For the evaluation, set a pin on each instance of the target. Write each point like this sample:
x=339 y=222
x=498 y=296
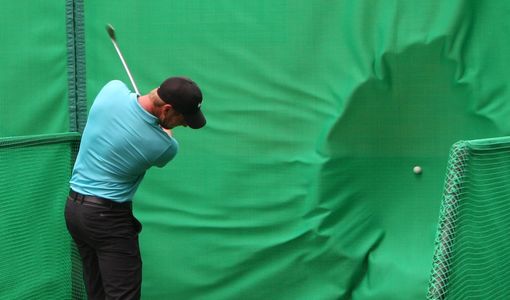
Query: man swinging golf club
x=125 y=135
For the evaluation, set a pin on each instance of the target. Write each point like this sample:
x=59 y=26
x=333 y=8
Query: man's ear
x=166 y=108
x=163 y=111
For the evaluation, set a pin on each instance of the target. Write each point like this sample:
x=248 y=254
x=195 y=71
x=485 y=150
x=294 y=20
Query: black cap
x=185 y=97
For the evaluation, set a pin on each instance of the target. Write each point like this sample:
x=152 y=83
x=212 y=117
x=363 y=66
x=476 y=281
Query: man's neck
x=146 y=102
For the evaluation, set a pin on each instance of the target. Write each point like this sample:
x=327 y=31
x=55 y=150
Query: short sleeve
x=167 y=155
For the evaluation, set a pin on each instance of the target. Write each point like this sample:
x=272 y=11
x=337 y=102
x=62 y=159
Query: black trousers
x=107 y=239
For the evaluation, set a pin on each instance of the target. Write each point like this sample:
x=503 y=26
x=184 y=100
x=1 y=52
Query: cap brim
x=196 y=120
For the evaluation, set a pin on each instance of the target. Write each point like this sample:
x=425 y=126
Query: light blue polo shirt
x=121 y=140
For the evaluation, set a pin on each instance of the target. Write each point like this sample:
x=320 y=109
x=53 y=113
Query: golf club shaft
x=125 y=65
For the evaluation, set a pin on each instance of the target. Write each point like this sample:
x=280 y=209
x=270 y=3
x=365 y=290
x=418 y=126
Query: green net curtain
x=301 y=186
x=33 y=67
x=39 y=114
x=38 y=258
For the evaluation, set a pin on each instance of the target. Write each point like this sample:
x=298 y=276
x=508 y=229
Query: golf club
x=111 y=33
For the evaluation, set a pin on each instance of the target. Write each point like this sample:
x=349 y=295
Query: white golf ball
x=417 y=170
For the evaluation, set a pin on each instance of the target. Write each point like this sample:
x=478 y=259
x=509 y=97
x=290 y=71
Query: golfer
x=124 y=136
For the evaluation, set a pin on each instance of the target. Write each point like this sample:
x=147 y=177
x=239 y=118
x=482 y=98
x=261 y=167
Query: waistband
x=79 y=198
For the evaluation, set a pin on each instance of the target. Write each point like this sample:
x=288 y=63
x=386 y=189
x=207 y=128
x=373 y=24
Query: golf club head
x=111 y=31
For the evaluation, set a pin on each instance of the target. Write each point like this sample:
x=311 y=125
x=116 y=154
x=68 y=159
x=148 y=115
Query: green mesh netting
x=38 y=259
x=471 y=257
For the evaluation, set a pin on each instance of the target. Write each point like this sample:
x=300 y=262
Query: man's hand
x=168 y=131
